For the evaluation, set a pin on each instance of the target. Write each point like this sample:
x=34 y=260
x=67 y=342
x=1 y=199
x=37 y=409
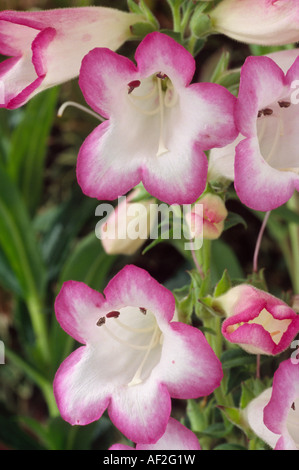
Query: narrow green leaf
x=29 y=146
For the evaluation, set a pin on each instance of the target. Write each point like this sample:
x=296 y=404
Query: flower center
x=152 y=97
x=293 y=422
x=276 y=328
x=271 y=132
x=144 y=339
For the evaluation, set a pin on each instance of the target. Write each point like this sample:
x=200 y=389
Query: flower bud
x=128 y=226
x=256 y=320
x=207 y=217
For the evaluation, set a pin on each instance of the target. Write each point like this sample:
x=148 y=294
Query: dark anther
x=267 y=111
x=259 y=114
x=101 y=321
x=113 y=314
x=293 y=406
x=132 y=85
x=284 y=104
x=142 y=310
x=161 y=75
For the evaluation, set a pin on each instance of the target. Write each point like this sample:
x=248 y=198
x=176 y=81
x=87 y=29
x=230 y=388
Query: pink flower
x=267 y=115
x=266 y=22
x=45 y=48
x=129 y=225
x=259 y=322
x=158 y=124
x=135 y=357
x=222 y=160
x=207 y=217
x=176 y=437
x=274 y=415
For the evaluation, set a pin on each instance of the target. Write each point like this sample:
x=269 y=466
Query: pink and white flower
x=274 y=415
x=257 y=321
x=266 y=162
x=176 y=437
x=222 y=160
x=206 y=218
x=45 y=48
x=135 y=357
x=158 y=124
x=266 y=22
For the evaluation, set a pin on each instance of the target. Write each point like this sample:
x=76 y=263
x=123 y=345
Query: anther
x=132 y=85
x=142 y=310
x=293 y=406
x=113 y=314
x=267 y=111
x=161 y=75
x=101 y=321
x=284 y=104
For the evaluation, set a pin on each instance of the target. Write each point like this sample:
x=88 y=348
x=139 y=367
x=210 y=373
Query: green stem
x=176 y=15
x=35 y=308
x=294 y=240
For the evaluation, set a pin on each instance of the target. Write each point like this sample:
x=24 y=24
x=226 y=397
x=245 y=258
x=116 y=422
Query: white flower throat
x=272 y=132
x=145 y=338
x=152 y=97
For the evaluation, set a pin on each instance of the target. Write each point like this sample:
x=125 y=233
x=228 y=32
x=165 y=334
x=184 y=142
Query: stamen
x=101 y=321
x=114 y=314
x=79 y=106
x=132 y=85
x=267 y=111
x=134 y=330
x=161 y=147
x=154 y=340
x=284 y=104
x=278 y=134
x=126 y=343
x=142 y=310
x=293 y=406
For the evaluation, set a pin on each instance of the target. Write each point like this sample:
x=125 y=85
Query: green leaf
x=18 y=241
x=236 y=357
x=29 y=147
x=88 y=263
x=223 y=285
x=234 y=219
x=230 y=446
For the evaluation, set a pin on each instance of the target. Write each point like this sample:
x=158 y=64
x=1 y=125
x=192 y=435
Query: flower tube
x=265 y=22
x=135 y=357
x=257 y=321
x=274 y=415
x=45 y=48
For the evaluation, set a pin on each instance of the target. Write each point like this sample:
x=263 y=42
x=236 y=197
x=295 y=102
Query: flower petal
x=258 y=185
x=188 y=364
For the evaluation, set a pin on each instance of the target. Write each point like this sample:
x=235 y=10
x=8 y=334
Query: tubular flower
x=266 y=161
x=207 y=221
x=158 y=124
x=45 y=48
x=118 y=234
x=221 y=160
x=176 y=437
x=259 y=322
x=135 y=356
x=274 y=415
x=266 y=22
